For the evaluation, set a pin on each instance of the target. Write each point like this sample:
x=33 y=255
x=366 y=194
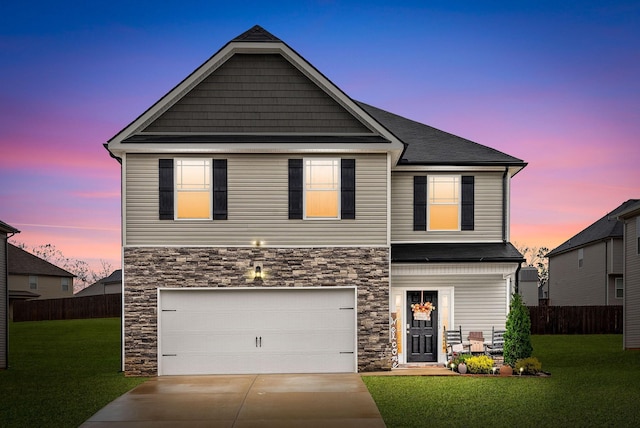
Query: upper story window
x=64 y=282
x=581 y=257
x=193 y=188
x=619 y=288
x=33 y=282
x=443 y=202
x=638 y=235
x=321 y=188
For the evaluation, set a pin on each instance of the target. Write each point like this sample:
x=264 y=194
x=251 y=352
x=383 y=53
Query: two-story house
x=31 y=277
x=272 y=224
x=587 y=269
x=630 y=218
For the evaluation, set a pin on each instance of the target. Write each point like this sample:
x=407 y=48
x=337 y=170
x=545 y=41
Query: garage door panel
x=257 y=331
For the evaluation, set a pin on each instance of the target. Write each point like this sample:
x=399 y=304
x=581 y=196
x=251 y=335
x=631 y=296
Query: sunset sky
x=556 y=84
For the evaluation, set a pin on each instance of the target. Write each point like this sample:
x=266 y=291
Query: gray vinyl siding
x=617 y=256
x=257 y=206
x=3 y=301
x=570 y=285
x=257 y=93
x=631 y=287
x=487 y=206
x=479 y=300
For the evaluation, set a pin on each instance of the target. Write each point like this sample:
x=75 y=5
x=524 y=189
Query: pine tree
x=517 y=337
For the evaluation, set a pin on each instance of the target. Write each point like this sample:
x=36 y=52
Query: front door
x=422 y=334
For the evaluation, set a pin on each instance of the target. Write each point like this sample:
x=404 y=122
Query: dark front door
x=422 y=335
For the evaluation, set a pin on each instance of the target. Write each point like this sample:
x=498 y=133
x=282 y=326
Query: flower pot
x=462 y=368
x=506 y=371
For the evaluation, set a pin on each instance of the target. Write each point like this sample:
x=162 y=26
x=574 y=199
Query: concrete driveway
x=292 y=400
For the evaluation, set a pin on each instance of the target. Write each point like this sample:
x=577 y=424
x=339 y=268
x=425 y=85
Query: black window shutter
x=219 y=189
x=165 y=189
x=468 y=196
x=295 y=188
x=419 y=202
x=348 y=189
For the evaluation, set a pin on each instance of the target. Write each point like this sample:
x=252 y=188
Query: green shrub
x=479 y=364
x=529 y=366
x=517 y=336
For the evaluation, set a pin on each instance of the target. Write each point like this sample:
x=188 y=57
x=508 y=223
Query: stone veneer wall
x=148 y=268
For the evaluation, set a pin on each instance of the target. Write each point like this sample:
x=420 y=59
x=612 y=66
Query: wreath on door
x=422 y=310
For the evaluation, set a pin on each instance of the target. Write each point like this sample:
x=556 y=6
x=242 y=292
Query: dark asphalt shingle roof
x=4 y=227
x=22 y=262
x=606 y=227
x=458 y=252
x=426 y=145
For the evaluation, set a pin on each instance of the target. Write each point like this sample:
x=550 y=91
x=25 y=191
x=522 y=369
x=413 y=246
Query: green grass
x=594 y=383
x=61 y=372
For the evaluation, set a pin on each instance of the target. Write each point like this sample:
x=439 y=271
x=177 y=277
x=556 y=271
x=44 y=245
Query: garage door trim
x=239 y=290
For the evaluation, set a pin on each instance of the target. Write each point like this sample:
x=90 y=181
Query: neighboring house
x=112 y=284
x=273 y=224
x=31 y=277
x=6 y=232
x=529 y=285
x=587 y=270
x=631 y=271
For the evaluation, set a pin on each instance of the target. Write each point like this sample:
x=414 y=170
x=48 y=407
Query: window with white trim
x=64 y=283
x=193 y=189
x=443 y=202
x=619 y=288
x=321 y=188
x=33 y=282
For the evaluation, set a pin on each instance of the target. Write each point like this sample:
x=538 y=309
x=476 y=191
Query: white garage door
x=232 y=331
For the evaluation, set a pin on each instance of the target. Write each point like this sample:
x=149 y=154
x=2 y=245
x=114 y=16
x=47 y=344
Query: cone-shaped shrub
x=517 y=337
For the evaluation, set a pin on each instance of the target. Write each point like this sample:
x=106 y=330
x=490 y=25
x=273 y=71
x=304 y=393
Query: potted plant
x=459 y=363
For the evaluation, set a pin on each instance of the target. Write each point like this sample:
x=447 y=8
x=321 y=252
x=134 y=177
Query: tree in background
x=81 y=269
x=517 y=337
x=535 y=256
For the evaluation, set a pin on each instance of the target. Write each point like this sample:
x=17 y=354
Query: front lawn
x=593 y=383
x=61 y=372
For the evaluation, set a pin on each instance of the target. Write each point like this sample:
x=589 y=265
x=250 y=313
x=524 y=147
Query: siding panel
x=257 y=93
x=488 y=211
x=3 y=301
x=631 y=287
x=479 y=300
x=257 y=207
x=571 y=285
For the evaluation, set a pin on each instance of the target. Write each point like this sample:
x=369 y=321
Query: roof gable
x=257 y=93
x=21 y=262
x=606 y=227
x=151 y=130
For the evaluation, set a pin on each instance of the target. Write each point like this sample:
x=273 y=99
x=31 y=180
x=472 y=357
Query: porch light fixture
x=257 y=273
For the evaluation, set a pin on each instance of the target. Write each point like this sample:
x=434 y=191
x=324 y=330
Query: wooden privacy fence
x=576 y=319
x=99 y=306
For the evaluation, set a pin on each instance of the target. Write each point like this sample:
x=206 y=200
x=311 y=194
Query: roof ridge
x=607 y=223
x=256 y=34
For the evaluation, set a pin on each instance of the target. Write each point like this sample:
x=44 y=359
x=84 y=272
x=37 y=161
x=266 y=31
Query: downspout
x=518 y=277
x=504 y=205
